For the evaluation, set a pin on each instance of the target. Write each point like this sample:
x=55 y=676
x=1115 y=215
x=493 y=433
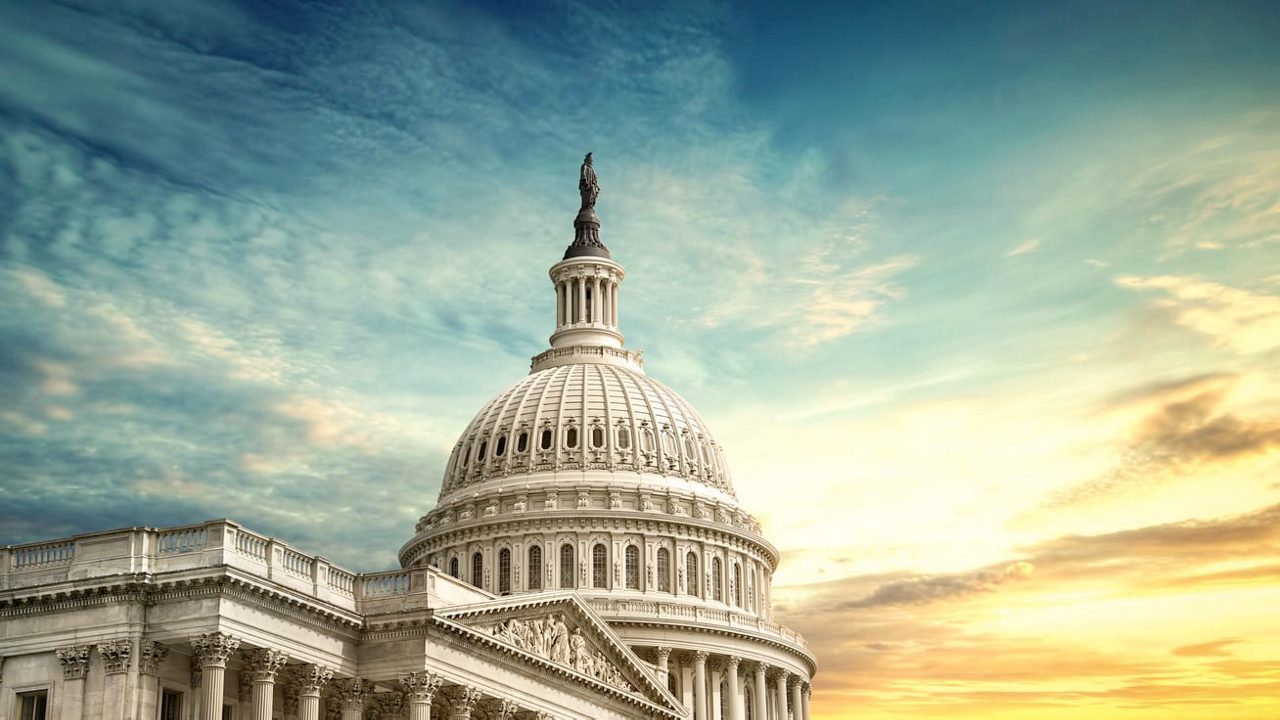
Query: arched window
x=748 y=693
x=691 y=572
x=599 y=566
x=717 y=579
x=522 y=441
x=504 y=571
x=737 y=584
x=664 y=570
x=484 y=445
x=571 y=437
x=535 y=567
x=624 y=438
x=597 y=437
x=500 y=448
x=477 y=570
x=646 y=439
x=633 y=567
x=466 y=457
x=453 y=567
x=724 y=701
x=545 y=441
x=566 y=565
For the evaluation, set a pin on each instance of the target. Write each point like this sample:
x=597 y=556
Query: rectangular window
x=228 y=713
x=170 y=705
x=33 y=705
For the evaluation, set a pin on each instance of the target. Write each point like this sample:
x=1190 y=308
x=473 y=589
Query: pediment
x=560 y=629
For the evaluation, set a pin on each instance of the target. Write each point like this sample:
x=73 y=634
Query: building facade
x=587 y=558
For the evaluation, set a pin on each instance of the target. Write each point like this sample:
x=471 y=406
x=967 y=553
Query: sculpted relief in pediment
x=551 y=638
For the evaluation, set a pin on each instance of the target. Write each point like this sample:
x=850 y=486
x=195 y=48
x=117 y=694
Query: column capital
x=115 y=655
x=352 y=692
x=213 y=649
x=732 y=662
x=264 y=663
x=310 y=678
x=75 y=661
x=499 y=709
x=421 y=685
x=151 y=655
x=387 y=704
x=807 y=689
x=700 y=656
x=462 y=700
x=664 y=653
x=795 y=681
x=761 y=668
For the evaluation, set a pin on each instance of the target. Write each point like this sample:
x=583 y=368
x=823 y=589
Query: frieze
x=550 y=638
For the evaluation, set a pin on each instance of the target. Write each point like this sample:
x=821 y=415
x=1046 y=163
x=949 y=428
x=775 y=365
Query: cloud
x=1214 y=648
x=1029 y=246
x=931 y=588
x=1235 y=319
x=1186 y=428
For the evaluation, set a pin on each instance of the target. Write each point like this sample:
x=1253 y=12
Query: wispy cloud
x=1236 y=319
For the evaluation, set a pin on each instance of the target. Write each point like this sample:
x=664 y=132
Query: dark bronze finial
x=586 y=227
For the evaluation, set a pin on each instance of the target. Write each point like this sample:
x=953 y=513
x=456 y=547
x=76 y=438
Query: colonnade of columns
x=411 y=697
x=587 y=300
x=702 y=677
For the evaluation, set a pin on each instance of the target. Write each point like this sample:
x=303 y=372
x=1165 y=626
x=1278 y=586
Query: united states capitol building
x=587 y=558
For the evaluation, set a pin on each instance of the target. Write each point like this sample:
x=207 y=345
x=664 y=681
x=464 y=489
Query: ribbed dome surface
x=586 y=416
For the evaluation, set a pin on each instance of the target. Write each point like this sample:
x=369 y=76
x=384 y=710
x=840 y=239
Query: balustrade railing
x=342 y=581
x=686 y=611
x=297 y=563
x=44 y=554
x=395 y=582
x=251 y=545
x=181 y=540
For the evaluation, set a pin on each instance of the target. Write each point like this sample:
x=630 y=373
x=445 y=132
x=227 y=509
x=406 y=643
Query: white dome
x=586 y=416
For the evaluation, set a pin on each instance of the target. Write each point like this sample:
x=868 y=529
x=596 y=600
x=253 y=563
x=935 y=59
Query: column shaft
x=212 y=678
x=613 y=304
x=781 y=684
x=700 y=686
x=734 y=690
x=309 y=704
x=804 y=702
x=581 y=315
x=796 y=699
x=605 y=314
x=263 y=695
x=761 y=708
x=664 y=658
x=559 y=304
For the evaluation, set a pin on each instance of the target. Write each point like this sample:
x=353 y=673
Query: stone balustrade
x=648 y=609
x=212 y=545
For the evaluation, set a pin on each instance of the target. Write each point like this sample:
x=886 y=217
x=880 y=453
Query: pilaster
x=116 y=661
x=75 y=667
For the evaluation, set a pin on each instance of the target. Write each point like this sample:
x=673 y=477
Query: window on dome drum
x=691 y=572
x=466 y=456
x=480 y=453
x=545 y=441
x=453 y=567
x=535 y=567
x=717 y=579
x=33 y=705
x=737 y=584
x=599 y=566
x=504 y=571
x=571 y=437
x=633 y=567
x=597 y=437
x=500 y=448
x=646 y=440
x=664 y=570
x=624 y=438
x=668 y=443
x=522 y=442
x=477 y=570
x=566 y=566
x=689 y=450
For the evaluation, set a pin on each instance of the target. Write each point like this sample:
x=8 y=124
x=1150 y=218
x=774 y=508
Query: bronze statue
x=587 y=185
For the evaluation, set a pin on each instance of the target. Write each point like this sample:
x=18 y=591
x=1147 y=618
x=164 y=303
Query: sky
x=981 y=299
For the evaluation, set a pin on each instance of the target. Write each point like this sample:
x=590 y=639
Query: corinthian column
x=781 y=680
x=75 y=665
x=700 y=685
x=761 y=705
x=116 y=660
x=796 y=698
x=804 y=700
x=420 y=687
x=212 y=650
x=733 y=688
x=262 y=664
x=664 y=670
x=353 y=692
x=462 y=700
x=150 y=657
x=310 y=680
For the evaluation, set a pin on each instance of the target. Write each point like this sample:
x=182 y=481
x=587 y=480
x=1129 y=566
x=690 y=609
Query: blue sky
x=977 y=277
